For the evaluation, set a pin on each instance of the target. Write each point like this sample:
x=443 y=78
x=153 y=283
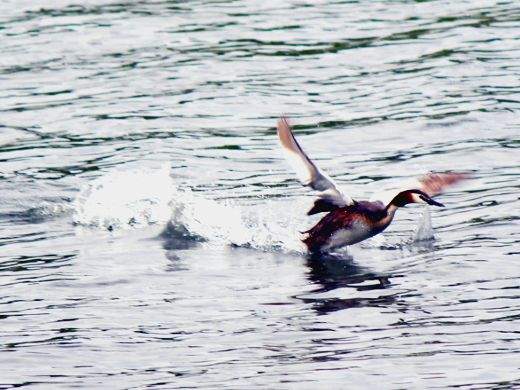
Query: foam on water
x=147 y=196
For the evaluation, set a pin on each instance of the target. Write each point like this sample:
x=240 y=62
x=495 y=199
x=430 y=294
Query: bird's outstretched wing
x=431 y=183
x=309 y=174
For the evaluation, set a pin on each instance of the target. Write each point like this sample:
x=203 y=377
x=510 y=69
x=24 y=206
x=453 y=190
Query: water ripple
x=150 y=226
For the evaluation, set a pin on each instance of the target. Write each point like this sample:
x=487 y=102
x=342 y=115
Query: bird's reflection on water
x=329 y=272
x=325 y=272
x=332 y=271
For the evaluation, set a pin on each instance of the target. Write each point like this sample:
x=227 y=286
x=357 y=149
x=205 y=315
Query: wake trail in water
x=149 y=196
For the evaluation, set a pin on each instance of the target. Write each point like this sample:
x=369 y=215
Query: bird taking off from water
x=349 y=221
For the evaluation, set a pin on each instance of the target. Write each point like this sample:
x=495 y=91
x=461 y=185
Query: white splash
x=424 y=229
x=266 y=226
x=125 y=198
x=141 y=197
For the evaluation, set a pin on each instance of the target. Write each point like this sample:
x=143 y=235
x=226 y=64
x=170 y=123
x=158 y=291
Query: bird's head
x=413 y=196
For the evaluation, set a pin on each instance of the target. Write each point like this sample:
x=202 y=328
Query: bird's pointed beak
x=431 y=201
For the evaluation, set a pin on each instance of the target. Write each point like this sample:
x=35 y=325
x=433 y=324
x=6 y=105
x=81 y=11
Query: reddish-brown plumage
x=368 y=213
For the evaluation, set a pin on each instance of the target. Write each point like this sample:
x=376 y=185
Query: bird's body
x=348 y=225
x=347 y=221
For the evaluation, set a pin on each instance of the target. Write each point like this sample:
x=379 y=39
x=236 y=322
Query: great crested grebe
x=349 y=221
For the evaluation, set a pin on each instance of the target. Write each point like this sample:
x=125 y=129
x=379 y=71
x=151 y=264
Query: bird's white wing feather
x=307 y=172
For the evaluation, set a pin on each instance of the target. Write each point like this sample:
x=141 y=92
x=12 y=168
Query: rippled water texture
x=149 y=224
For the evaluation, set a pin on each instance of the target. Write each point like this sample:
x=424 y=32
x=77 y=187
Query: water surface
x=149 y=224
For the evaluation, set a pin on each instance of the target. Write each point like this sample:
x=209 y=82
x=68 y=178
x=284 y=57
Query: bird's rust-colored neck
x=390 y=210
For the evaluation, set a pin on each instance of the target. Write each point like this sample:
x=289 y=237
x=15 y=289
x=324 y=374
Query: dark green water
x=149 y=224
